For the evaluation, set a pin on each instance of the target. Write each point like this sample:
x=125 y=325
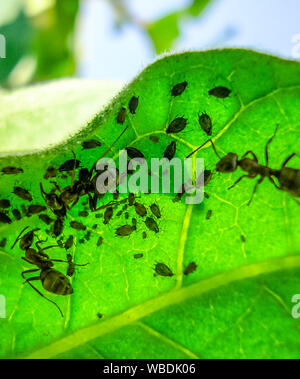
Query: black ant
x=288 y=178
x=52 y=280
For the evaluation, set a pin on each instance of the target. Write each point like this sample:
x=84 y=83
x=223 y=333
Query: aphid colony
x=83 y=184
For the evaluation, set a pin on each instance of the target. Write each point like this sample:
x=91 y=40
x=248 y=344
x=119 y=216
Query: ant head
x=228 y=163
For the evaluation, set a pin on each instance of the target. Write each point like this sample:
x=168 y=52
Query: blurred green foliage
x=40 y=41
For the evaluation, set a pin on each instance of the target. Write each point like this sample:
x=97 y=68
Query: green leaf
x=165 y=31
x=237 y=303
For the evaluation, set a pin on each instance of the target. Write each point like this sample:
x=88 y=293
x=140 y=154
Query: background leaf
x=238 y=301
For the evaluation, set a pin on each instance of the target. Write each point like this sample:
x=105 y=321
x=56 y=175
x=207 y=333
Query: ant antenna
x=19 y=237
x=109 y=149
x=33 y=287
x=200 y=147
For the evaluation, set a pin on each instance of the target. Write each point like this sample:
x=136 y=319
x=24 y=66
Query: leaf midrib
x=173 y=297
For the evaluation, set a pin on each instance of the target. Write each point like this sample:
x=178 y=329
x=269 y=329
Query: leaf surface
x=238 y=302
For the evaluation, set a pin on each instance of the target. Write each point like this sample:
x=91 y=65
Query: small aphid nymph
x=170 y=151
x=133 y=104
x=161 y=269
x=4 y=204
x=205 y=123
x=90 y=144
x=155 y=210
x=22 y=193
x=177 y=125
x=190 y=268
x=152 y=224
x=121 y=116
x=220 y=92
x=12 y=170
x=179 y=88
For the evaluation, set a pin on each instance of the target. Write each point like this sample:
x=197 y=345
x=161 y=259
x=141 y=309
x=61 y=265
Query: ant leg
x=75 y=264
x=74 y=203
x=18 y=238
x=255 y=189
x=267 y=145
x=205 y=143
x=56 y=186
x=287 y=160
x=241 y=178
x=298 y=202
x=273 y=182
x=28 y=271
x=253 y=155
x=33 y=287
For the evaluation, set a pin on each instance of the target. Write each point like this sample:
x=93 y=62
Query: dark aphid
x=220 y=92
x=152 y=224
x=144 y=235
x=155 y=210
x=77 y=225
x=177 y=125
x=243 y=238
x=94 y=227
x=132 y=153
x=12 y=170
x=108 y=215
x=99 y=315
x=133 y=104
x=4 y=204
x=179 y=89
x=100 y=241
x=119 y=214
x=170 y=151
x=126 y=215
x=3 y=243
x=190 y=268
x=50 y=173
x=206 y=195
x=134 y=222
x=130 y=201
x=83 y=214
x=81 y=241
x=207 y=176
x=125 y=230
x=162 y=269
x=71 y=266
x=17 y=214
x=46 y=219
x=90 y=144
x=140 y=209
x=69 y=243
x=116 y=195
x=27 y=239
x=88 y=236
x=121 y=116
x=154 y=139
x=209 y=214
x=138 y=256
x=205 y=123
x=22 y=193
x=69 y=165
x=35 y=209
x=57 y=228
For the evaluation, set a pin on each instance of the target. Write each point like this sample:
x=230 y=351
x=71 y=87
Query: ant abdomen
x=289 y=180
x=55 y=282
